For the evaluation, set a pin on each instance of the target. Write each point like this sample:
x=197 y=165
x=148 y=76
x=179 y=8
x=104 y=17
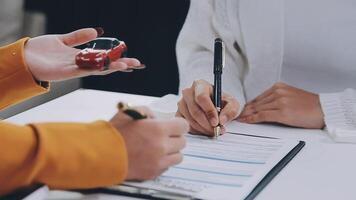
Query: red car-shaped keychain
x=99 y=53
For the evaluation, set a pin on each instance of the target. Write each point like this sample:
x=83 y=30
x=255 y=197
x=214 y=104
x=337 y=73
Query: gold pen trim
x=217 y=132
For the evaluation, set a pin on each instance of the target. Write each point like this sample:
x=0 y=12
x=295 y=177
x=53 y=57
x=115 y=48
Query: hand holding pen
x=198 y=108
x=134 y=113
x=152 y=145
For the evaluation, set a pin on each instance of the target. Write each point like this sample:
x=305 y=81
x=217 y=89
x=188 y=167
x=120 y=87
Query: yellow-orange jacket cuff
x=16 y=81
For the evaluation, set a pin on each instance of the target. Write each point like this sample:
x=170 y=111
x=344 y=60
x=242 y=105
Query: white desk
x=322 y=170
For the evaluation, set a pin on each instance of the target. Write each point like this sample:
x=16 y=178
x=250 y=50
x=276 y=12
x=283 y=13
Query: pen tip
x=217 y=132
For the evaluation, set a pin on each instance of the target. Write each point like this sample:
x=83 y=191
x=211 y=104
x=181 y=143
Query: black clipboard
x=275 y=170
x=158 y=195
x=141 y=193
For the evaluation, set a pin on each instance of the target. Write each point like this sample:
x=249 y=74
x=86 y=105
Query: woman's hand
x=286 y=105
x=198 y=109
x=52 y=57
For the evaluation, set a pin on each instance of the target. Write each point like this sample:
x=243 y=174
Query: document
x=227 y=168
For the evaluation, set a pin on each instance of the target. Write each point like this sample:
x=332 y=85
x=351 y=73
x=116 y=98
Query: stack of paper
x=227 y=168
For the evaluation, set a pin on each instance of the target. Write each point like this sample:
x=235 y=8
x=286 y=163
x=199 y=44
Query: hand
x=121 y=119
x=197 y=107
x=286 y=105
x=52 y=57
x=152 y=145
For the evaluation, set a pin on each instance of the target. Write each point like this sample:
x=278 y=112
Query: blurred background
x=149 y=27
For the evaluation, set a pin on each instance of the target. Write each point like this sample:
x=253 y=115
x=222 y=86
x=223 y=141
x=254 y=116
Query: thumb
x=79 y=37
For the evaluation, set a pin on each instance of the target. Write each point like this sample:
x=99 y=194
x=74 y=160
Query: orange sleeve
x=16 y=81
x=61 y=155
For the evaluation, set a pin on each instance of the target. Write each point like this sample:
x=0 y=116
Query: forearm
x=16 y=81
x=195 y=52
x=61 y=155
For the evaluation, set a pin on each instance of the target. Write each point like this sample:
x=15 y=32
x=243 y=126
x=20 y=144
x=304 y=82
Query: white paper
x=165 y=107
x=227 y=168
x=39 y=194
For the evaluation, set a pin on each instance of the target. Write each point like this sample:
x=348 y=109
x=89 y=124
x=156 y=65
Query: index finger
x=263 y=95
x=202 y=92
x=268 y=92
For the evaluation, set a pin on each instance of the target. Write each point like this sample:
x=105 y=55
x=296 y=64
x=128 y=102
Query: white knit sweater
x=253 y=32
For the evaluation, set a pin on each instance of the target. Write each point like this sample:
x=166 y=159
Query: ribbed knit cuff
x=338 y=115
x=334 y=115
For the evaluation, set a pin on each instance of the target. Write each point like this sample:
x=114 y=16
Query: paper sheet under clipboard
x=227 y=168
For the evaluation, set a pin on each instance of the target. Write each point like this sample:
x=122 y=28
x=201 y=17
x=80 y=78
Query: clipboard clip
x=145 y=192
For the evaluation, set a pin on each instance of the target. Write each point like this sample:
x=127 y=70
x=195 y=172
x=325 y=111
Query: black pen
x=219 y=54
x=132 y=112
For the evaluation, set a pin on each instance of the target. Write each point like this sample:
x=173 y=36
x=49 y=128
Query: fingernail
x=223 y=119
x=199 y=89
x=213 y=121
x=99 y=31
x=142 y=66
x=126 y=70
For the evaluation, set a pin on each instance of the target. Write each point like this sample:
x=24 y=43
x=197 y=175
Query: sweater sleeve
x=340 y=115
x=205 y=22
x=16 y=81
x=61 y=155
